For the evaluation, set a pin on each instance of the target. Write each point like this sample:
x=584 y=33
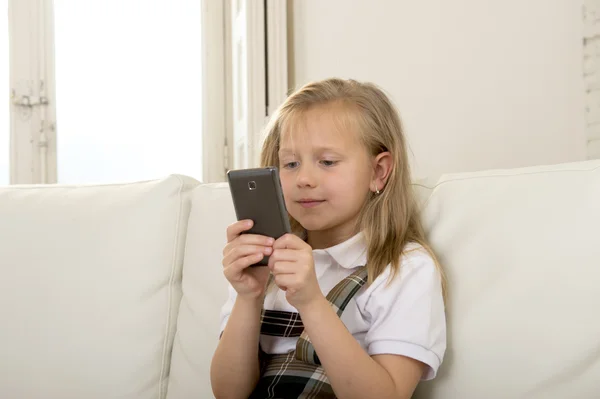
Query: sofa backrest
x=205 y=288
x=520 y=251
x=93 y=302
x=522 y=256
x=90 y=288
x=204 y=292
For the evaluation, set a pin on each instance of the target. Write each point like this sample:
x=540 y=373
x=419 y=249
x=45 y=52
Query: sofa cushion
x=423 y=188
x=89 y=288
x=205 y=288
x=204 y=292
x=520 y=248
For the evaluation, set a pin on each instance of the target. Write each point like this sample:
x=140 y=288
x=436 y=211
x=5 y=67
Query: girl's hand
x=293 y=268
x=241 y=251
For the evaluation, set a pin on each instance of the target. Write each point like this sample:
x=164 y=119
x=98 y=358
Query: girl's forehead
x=326 y=126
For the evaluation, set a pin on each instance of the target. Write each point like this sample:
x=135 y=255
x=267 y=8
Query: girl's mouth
x=310 y=203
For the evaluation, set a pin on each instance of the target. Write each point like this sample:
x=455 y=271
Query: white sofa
x=114 y=291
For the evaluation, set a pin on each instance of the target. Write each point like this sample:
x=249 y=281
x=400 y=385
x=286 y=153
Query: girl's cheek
x=284 y=184
x=286 y=192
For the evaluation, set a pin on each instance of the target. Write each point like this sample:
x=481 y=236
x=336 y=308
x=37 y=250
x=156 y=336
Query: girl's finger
x=245 y=251
x=284 y=268
x=288 y=255
x=241 y=251
x=248 y=239
x=290 y=241
x=236 y=268
x=284 y=281
x=255 y=239
x=235 y=229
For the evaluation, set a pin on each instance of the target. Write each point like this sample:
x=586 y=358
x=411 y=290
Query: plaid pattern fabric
x=285 y=377
x=279 y=323
x=299 y=374
x=338 y=297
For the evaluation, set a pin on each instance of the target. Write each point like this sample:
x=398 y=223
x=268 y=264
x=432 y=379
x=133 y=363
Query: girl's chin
x=314 y=223
x=309 y=223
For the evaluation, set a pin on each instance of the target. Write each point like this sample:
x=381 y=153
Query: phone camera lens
x=252 y=185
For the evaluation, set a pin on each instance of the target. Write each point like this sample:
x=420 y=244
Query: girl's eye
x=328 y=162
x=290 y=165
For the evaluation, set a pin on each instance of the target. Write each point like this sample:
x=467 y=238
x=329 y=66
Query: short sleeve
x=407 y=315
x=226 y=308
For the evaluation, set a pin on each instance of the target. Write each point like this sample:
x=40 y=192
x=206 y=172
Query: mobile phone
x=257 y=195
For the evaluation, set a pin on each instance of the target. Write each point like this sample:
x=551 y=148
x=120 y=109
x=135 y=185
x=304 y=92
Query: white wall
x=592 y=75
x=479 y=84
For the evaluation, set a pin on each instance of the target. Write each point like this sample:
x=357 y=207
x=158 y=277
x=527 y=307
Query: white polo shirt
x=405 y=317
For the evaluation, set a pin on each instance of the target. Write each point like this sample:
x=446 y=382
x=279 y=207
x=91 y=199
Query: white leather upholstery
x=90 y=285
x=90 y=288
x=204 y=292
x=205 y=289
x=522 y=254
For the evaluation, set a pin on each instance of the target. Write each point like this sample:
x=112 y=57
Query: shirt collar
x=350 y=253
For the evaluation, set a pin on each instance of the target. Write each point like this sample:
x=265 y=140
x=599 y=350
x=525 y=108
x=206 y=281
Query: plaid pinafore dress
x=299 y=374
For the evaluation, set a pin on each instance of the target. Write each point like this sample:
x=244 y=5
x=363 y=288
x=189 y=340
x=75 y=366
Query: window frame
x=33 y=158
x=34 y=130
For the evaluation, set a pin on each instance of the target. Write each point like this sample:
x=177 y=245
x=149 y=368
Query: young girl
x=351 y=304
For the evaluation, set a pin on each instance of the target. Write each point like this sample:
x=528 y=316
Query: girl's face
x=326 y=174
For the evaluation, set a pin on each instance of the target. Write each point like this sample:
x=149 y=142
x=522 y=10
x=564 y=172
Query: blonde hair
x=389 y=220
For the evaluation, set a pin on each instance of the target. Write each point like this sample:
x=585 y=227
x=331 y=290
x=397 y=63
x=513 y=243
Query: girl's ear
x=382 y=167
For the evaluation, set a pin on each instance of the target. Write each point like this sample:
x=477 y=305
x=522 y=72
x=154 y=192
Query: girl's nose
x=306 y=176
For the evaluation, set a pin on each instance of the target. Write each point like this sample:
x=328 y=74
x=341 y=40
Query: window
x=125 y=90
x=128 y=89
